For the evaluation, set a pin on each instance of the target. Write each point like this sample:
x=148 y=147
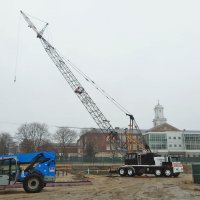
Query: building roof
x=191 y=131
x=162 y=128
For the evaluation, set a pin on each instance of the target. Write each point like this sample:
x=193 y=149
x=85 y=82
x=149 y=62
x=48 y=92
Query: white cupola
x=159 y=115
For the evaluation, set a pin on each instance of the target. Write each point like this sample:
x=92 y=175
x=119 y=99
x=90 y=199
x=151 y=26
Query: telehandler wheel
x=44 y=185
x=122 y=171
x=33 y=183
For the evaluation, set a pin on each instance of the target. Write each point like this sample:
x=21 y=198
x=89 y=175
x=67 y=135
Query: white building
x=164 y=138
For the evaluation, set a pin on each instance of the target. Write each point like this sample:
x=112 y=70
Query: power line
x=55 y=126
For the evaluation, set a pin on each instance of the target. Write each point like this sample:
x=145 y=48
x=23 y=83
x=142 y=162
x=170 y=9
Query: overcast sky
x=137 y=51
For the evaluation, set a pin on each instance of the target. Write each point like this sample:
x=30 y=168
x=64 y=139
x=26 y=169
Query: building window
x=169 y=137
x=158 y=141
x=175 y=145
x=170 y=145
x=174 y=137
x=180 y=145
x=179 y=138
x=192 y=141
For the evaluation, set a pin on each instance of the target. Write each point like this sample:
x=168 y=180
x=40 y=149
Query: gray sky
x=138 y=51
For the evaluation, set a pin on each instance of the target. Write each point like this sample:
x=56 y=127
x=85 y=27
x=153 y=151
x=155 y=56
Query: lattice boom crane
x=84 y=97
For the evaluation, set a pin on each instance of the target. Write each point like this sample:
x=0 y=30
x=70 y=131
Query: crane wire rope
x=17 y=60
x=36 y=18
x=18 y=48
x=97 y=87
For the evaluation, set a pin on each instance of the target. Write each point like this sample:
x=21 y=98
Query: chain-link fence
x=114 y=160
x=100 y=160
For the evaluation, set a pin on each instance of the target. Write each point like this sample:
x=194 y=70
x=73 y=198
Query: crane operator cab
x=8 y=171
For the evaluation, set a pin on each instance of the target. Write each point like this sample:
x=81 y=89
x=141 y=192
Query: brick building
x=95 y=139
x=71 y=150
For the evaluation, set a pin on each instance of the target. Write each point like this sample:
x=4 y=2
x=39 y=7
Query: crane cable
x=18 y=49
x=19 y=42
x=36 y=18
x=97 y=87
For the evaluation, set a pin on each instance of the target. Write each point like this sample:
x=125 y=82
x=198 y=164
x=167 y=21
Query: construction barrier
x=85 y=159
x=196 y=173
x=63 y=169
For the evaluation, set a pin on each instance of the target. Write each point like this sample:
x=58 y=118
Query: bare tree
x=5 y=142
x=90 y=150
x=32 y=137
x=91 y=142
x=64 y=137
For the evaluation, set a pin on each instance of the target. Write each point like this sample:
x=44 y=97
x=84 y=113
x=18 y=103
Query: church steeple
x=159 y=115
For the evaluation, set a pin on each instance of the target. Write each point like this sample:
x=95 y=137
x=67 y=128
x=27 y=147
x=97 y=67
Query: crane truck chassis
x=33 y=170
x=149 y=163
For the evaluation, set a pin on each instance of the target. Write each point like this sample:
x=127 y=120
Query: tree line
x=32 y=137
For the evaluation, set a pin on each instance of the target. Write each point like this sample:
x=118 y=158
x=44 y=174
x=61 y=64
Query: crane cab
x=8 y=171
x=139 y=159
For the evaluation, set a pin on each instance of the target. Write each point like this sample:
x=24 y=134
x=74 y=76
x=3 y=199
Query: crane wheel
x=131 y=172
x=168 y=172
x=33 y=183
x=140 y=172
x=158 y=173
x=122 y=171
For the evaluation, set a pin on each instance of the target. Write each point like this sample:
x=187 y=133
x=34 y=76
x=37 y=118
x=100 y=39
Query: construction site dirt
x=114 y=187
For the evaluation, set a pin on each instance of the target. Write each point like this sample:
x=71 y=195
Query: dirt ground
x=122 y=188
